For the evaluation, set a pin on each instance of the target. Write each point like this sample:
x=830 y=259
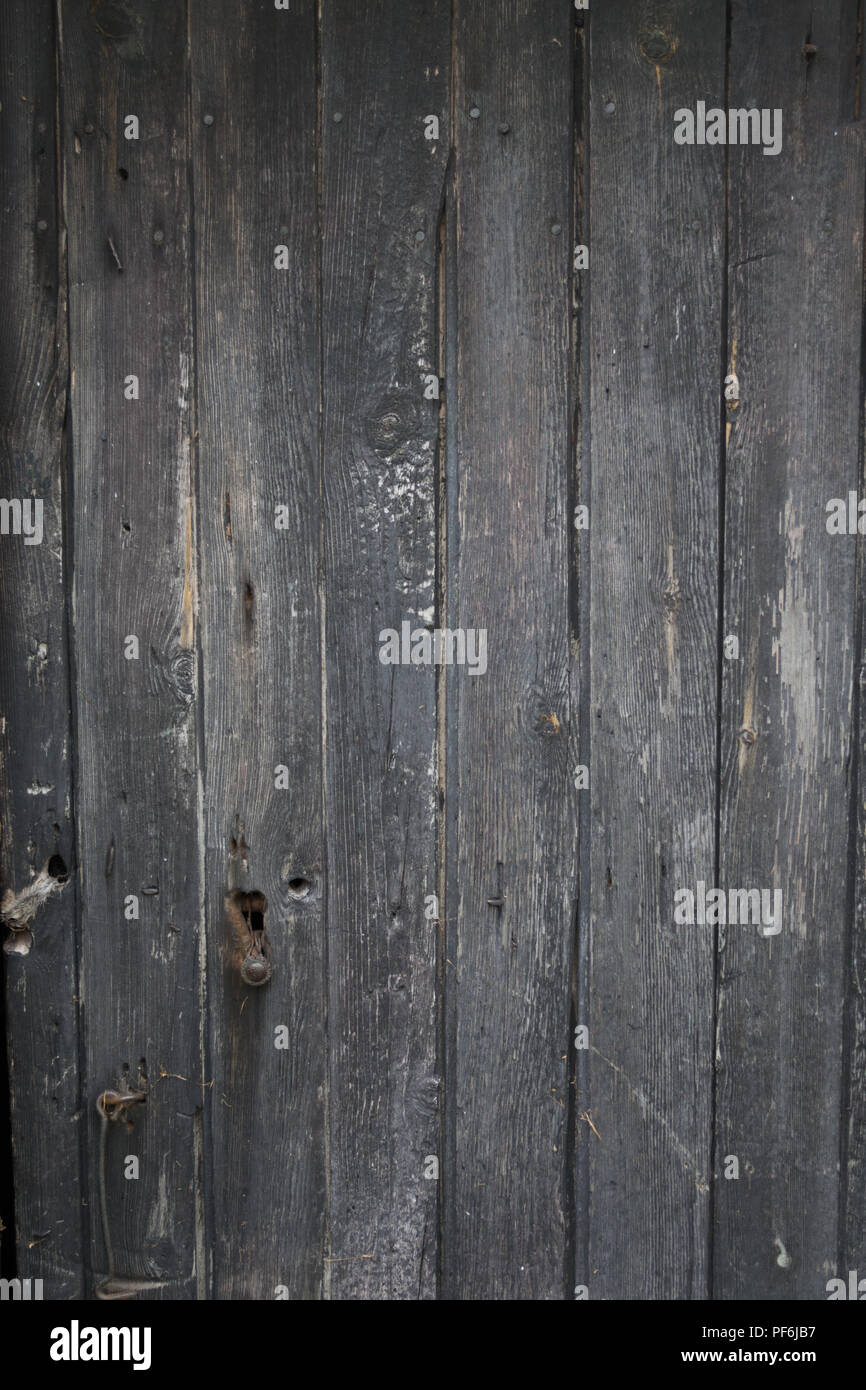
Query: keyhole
x=256 y=968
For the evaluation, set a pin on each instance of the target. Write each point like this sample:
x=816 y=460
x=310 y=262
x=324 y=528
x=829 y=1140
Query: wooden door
x=433 y=462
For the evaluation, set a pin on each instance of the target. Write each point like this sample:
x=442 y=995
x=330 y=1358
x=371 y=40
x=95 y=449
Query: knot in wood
x=181 y=676
x=657 y=44
x=393 y=423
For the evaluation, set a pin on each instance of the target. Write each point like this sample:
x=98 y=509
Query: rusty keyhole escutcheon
x=256 y=968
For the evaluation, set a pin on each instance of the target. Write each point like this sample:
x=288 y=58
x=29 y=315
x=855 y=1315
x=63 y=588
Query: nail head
x=255 y=970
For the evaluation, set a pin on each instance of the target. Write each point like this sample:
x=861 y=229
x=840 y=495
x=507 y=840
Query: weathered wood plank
x=795 y=237
x=384 y=69
x=656 y=239
x=581 y=497
x=508 y=969
x=253 y=120
x=852 y=1234
x=125 y=204
x=35 y=752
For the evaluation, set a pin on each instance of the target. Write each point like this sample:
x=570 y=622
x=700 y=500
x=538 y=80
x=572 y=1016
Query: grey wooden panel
x=579 y=602
x=795 y=271
x=384 y=69
x=656 y=239
x=508 y=968
x=253 y=118
x=35 y=746
x=852 y=1233
x=126 y=211
x=280 y=493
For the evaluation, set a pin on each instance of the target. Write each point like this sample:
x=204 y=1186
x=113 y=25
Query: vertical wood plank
x=656 y=242
x=35 y=751
x=796 y=255
x=508 y=968
x=852 y=1233
x=125 y=204
x=852 y=1172
x=384 y=69
x=253 y=120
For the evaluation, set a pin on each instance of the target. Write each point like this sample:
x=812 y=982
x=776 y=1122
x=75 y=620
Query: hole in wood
x=256 y=909
x=299 y=887
x=57 y=868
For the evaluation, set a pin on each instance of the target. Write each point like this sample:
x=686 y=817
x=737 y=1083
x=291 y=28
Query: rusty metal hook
x=112 y=1106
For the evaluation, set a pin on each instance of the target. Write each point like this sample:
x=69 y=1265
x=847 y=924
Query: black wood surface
x=36 y=810
x=376 y=386
x=381 y=183
x=656 y=223
x=253 y=122
x=127 y=215
x=510 y=898
x=795 y=258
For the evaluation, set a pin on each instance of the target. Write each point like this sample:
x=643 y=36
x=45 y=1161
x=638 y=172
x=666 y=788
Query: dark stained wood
x=852 y=1168
x=445 y=905
x=35 y=744
x=508 y=969
x=134 y=537
x=852 y=1233
x=795 y=239
x=253 y=118
x=579 y=595
x=656 y=278
x=384 y=68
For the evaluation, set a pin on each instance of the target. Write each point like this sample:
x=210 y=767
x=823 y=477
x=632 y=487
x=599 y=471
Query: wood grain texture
x=127 y=218
x=253 y=117
x=35 y=743
x=852 y=1168
x=796 y=256
x=285 y=261
x=656 y=237
x=384 y=69
x=508 y=968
